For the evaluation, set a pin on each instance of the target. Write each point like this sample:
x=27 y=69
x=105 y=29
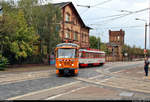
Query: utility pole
x=145 y=49
x=149 y=23
x=145 y=35
x=145 y=40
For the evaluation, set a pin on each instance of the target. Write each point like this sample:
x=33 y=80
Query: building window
x=67 y=17
x=57 y=28
x=82 y=37
x=118 y=38
x=75 y=36
x=67 y=34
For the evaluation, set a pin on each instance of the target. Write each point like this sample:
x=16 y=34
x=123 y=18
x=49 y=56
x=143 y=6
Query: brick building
x=116 y=42
x=73 y=28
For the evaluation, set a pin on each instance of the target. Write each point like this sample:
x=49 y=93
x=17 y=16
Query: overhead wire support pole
x=145 y=35
x=149 y=24
x=145 y=43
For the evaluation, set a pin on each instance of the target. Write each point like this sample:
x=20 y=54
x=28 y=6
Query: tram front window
x=66 y=53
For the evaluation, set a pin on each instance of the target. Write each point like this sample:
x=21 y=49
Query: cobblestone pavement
x=113 y=81
x=22 y=74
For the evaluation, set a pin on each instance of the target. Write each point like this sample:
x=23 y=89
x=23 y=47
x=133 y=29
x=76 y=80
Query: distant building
x=73 y=28
x=116 y=42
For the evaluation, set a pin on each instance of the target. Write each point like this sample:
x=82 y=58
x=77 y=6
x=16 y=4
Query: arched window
x=67 y=17
x=75 y=36
x=67 y=35
x=118 y=38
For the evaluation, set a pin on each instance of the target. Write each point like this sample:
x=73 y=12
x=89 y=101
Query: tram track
x=113 y=81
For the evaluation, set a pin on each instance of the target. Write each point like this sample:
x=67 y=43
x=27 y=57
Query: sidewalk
x=17 y=74
x=26 y=68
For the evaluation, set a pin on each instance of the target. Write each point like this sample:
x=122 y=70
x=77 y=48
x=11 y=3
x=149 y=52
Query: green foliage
x=133 y=51
x=103 y=47
x=45 y=19
x=27 y=24
x=3 y=62
x=95 y=42
x=16 y=37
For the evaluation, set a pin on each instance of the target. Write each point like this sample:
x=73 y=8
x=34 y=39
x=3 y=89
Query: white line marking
x=32 y=93
x=65 y=93
x=96 y=76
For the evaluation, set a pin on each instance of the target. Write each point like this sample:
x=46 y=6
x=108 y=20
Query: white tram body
x=91 y=57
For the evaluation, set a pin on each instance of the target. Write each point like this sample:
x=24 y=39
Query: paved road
x=111 y=81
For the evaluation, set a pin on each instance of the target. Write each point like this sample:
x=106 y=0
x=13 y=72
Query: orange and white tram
x=69 y=57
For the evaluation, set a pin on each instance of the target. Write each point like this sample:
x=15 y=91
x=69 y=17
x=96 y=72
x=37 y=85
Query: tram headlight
x=59 y=64
x=72 y=64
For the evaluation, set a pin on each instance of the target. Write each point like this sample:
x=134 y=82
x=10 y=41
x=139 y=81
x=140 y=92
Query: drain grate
x=127 y=94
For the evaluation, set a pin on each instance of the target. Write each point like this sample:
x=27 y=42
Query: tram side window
x=92 y=55
x=98 y=55
x=83 y=55
x=86 y=54
x=103 y=55
x=95 y=55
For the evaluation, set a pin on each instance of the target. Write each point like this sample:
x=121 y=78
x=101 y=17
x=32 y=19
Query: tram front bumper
x=67 y=70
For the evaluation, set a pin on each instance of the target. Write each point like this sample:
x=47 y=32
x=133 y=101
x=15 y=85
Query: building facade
x=115 y=45
x=73 y=28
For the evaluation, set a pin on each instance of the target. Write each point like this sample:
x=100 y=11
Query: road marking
x=50 y=98
x=87 y=80
x=36 y=92
x=96 y=76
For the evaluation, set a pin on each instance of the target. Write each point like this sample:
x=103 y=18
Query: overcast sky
x=98 y=17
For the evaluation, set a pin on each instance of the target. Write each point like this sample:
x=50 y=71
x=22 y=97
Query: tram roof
x=91 y=51
x=67 y=44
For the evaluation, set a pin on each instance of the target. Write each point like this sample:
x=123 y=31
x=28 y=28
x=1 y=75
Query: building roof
x=67 y=44
x=63 y=4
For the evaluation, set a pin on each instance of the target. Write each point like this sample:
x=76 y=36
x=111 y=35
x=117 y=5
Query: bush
x=3 y=62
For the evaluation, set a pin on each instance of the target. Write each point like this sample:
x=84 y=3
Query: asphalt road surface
x=113 y=81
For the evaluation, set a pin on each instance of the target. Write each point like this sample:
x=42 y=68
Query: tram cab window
x=66 y=53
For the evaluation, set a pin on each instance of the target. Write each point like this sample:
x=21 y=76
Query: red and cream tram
x=91 y=57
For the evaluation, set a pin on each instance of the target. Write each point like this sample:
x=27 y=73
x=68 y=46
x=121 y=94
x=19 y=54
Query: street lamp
x=145 y=33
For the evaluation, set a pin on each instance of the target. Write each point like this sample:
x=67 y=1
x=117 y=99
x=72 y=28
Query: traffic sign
x=145 y=50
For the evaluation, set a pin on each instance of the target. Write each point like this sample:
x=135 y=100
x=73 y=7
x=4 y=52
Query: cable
x=102 y=3
x=88 y=6
x=108 y=16
x=123 y=15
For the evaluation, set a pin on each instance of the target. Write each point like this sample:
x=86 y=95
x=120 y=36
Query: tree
x=16 y=38
x=103 y=47
x=46 y=21
x=95 y=42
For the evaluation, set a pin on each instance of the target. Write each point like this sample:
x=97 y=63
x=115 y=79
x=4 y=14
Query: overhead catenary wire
x=88 y=6
x=101 y=3
x=123 y=15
